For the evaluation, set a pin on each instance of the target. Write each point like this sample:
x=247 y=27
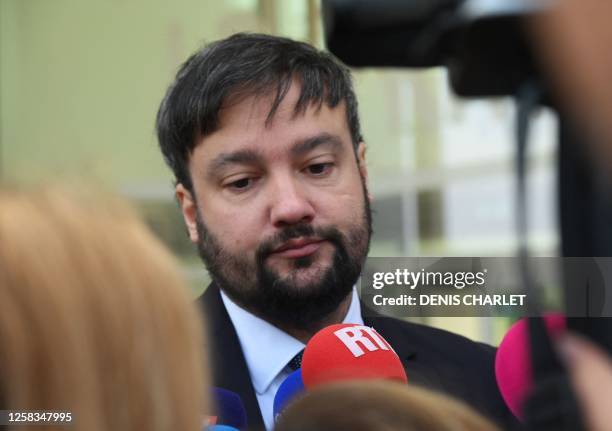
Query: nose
x=289 y=203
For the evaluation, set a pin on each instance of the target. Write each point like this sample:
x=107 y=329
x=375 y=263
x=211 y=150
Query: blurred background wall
x=81 y=81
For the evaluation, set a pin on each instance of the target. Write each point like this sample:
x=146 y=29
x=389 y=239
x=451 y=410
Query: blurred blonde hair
x=94 y=316
x=379 y=406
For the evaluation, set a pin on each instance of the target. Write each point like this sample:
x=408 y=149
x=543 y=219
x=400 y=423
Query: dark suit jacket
x=433 y=358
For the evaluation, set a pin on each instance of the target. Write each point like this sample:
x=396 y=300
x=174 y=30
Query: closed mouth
x=298 y=247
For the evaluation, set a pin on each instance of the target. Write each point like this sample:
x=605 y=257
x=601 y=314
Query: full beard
x=290 y=301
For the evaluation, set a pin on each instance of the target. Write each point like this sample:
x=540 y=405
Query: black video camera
x=481 y=42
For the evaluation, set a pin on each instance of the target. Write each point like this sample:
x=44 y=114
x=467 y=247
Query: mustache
x=303 y=230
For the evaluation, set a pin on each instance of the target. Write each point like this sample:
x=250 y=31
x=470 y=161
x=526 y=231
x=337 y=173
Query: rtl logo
x=359 y=339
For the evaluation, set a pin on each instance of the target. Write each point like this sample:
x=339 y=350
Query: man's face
x=279 y=210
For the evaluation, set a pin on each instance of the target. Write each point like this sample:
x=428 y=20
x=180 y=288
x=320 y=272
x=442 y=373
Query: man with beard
x=263 y=137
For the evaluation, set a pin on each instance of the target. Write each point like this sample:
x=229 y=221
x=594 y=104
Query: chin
x=306 y=276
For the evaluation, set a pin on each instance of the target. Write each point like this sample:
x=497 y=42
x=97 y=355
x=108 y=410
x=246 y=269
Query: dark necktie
x=296 y=362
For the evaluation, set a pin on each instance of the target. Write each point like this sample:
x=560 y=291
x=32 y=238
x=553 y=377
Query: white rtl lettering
x=374 y=336
x=378 y=338
x=352 y=335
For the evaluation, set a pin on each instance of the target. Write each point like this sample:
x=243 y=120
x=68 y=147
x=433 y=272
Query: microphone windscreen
x=513 y=361
x=291 y=386
x=229 y=408
x=349 y=352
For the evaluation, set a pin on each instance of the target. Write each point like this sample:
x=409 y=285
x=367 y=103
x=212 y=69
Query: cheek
x=237 y=230
x=344 y=208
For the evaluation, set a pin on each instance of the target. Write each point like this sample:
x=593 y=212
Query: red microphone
x=513 y=361
x=349 y=352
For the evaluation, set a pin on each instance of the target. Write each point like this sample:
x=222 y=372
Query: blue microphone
x=229 y=409
x=292 y=386
x=220 y=428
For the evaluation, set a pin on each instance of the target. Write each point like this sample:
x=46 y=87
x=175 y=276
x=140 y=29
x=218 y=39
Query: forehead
x=245 y=123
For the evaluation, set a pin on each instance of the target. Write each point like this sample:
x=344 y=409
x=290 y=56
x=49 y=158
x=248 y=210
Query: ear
x=361 y=162
x=189 y=209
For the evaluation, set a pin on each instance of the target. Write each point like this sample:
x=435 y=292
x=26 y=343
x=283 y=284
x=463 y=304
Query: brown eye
x=319 y=168
x=241 y=184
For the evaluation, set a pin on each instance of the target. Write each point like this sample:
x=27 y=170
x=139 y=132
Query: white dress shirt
x=267 y=351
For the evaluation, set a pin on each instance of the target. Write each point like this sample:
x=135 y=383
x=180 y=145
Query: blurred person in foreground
x=379 y=406
x=574 y=39
x=590 y=370
x=94 y=317
x=262 y=134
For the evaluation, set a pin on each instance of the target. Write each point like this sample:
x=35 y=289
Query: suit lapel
x=418 y=369
x=405 y=352
x=229 y=368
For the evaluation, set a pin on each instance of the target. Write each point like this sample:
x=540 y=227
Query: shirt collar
x=266 y=348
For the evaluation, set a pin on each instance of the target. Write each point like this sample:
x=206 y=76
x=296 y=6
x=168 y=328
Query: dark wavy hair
x=244 y=65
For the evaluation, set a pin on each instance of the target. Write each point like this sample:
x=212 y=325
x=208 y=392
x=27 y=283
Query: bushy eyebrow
x=247 y=156
x=306 y=145
x=237 y=157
